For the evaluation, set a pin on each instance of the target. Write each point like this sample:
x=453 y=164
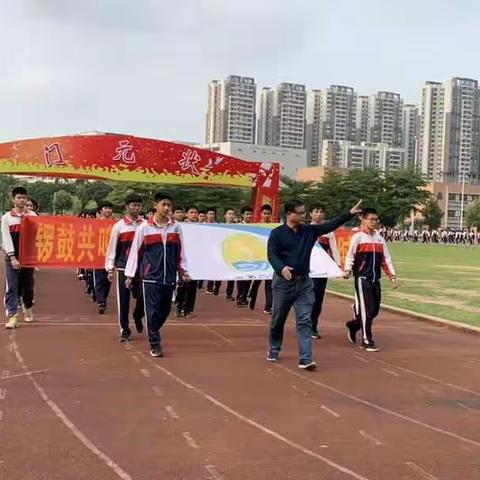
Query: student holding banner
x=121 y=239
x=101 y=284
x=157 y=254
x=229 y=218
x=19 y=280
x=317 y=213
x=266 y=217
x=243 y=286
x=289 y=250
x=187 y=291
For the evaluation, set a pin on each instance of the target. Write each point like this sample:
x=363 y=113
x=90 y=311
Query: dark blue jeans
x=296 y=293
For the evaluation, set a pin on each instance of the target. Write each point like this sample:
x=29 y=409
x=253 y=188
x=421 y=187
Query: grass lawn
x=438 y=280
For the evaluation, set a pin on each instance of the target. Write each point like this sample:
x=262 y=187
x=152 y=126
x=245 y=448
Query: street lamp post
x=462 y=200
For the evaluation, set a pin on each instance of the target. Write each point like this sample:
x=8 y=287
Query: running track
x=77 y=404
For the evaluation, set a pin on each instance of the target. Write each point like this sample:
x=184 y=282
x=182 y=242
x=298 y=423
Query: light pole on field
x=462 y=200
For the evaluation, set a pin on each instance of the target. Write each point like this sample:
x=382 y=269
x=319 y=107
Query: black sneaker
x=316 y=336
x=216 y=292
x=351 y=333
x=125 y=336
x=179 y=312
x=242 y=304
x=369 y=346
x=272 y=356
x=229 y=298
x=307 y=365
x=156 y=351
x=267 y=311
x=138 y=325
x=209 y=292
x=101 y=308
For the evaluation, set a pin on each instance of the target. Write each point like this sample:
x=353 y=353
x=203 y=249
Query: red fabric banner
x=66 y=242
x=342 y=240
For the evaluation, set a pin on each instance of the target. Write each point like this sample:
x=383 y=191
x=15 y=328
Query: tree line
x=394 y=194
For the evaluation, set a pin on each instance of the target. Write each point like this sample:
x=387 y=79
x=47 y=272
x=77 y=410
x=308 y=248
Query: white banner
x=239 y=252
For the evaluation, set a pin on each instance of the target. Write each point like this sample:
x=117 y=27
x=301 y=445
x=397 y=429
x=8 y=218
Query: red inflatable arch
x=134 y=159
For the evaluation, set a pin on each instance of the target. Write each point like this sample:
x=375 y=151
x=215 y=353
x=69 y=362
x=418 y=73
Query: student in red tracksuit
x=121 y=239
x=157 y=255
x=366 y=257
x=19 y=281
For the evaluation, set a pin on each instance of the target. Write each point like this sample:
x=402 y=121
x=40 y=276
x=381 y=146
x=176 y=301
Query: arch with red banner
x=134 y=159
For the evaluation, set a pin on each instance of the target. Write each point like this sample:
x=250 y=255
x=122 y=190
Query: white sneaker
x=28 y=315
x=12 y=322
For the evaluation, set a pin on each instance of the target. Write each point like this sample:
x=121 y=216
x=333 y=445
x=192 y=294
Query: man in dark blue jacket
x=289 y=250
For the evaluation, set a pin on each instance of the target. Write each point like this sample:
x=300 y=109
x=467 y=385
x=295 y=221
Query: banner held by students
x=213 y=251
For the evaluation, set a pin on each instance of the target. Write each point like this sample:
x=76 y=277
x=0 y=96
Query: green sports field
x=438 y=280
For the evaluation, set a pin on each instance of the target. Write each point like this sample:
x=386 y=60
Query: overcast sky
x=142 y=66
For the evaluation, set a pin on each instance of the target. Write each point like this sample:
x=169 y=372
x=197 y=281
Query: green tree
x=473 y=214
x=432 y=213
x=63 y=201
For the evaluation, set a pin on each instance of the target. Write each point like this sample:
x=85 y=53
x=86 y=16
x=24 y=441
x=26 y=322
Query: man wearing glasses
x=366 y=257
x=289 y=250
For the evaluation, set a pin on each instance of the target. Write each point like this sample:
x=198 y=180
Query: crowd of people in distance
x=445 y=236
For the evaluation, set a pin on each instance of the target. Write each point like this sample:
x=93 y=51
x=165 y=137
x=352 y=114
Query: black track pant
x=319 y=286
x=123 y=299
x=186 y=296
x=368 y=296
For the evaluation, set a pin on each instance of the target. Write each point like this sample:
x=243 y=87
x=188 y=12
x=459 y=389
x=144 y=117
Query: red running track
x=77 y=404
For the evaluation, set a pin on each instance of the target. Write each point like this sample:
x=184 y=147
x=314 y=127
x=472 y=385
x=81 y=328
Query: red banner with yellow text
x=342 y=243
x=65 y=242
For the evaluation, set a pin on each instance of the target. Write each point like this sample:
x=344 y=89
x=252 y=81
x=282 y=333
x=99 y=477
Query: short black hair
x=212 y=209
x=316 y=206
x=161 y=196
x=266 y=207
x=367 y=211
x=204 y=212
x=152 y=210
x=191 y=207
x=228 y=209
x=178 y=208
x=19 y=191
x=133 y=198
x=291 y=205
x=105 y=204
x=246 y=209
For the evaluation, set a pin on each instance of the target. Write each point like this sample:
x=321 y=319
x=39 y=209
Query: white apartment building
x=410 y=130
x=281 y=120
x=449 y=146
x=385 y=119
x=430 y=145
x=231 y=110
x=290 y=159
x=362 y=118
x=330 y=116
x=350 y=155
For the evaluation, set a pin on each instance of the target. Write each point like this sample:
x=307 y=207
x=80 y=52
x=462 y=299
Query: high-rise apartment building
x=385 y=119
x=312 y=127
x=461 y=146
x=449 y=143
x=282 y=116
x=362 y=116
x=430 y=149
x=231 y=110
x=410 y=127
x=330 y=116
